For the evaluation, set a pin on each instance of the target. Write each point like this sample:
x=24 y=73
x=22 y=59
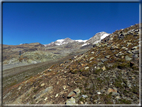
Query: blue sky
x=47 y=22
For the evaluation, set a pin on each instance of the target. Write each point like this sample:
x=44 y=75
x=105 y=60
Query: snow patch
x=60 y=40
x=81 y=40
x=103 y=36
x=96 y=42
x=85 y=44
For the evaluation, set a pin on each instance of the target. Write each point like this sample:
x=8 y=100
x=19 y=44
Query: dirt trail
x=10 y=66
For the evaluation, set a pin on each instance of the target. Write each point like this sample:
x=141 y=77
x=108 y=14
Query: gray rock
x=125 y=48
x=116 y=54
x=104 y=60
x=48 y=89
x=111 y=38
x=135 y=56
x=91 y=58
x=92 y=52
x=7 y=95
x=110 y=65
x=129 y=52
x=108 y=56
x=70 y=101
x=98 y=92
x=113 y=50
x=100 y=63
x=121 y=36
x=84 y=96
x=114 y=47
x=103 y=91
x=128 y=44
x=104 y=44
x=118 y=97
x=129 y=84
x=135 y=47
x=77 y=91
x=74 y=93
x=115 y=93
x=86 y=68
x=119 y=54
x=137 y=30
x=127 y=58
x=49 y=70
x=136 y=51
x=97 y=68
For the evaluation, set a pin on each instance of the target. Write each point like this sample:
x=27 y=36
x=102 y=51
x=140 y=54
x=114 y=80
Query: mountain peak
x=67 y=39
x=98 y=37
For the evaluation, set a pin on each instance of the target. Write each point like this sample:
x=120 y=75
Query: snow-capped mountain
x=81 y=40
x=60 y=47
x=97 y=37
x=93 y=40
x=64 y=41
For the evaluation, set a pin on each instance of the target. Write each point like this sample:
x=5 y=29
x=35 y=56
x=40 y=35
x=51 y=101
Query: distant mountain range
x=93 y=40
x=64 y=41
x=37 y=52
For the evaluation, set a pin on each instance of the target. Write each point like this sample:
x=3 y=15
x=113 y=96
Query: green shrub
x=97 y=71
x=106 y=98
x=118 y=82
x=135 y=90
x=124 y=101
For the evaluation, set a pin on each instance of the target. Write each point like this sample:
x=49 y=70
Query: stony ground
x=18 y=74
x=106 y=74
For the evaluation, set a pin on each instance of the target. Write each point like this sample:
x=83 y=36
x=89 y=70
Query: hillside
x=108 y=73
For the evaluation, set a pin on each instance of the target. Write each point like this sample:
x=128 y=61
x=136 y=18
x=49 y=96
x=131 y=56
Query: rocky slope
x=106 y=74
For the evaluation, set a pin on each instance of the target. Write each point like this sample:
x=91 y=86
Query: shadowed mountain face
x=108 y=73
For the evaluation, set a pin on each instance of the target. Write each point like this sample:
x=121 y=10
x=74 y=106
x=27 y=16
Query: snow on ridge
x=104 y=35
x=81 y=40
x=96 y=42
x=60 y=40
x=85 y=44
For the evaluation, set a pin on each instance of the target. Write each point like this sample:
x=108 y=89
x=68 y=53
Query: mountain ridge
x=40 y=52
x=99 y=35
